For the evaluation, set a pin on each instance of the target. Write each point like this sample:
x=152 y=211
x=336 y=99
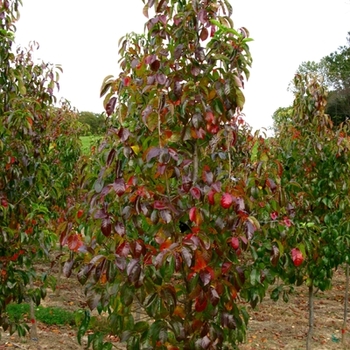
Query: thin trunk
x=346 y=298
x=33 y=328
x=311 y=317
x=59 y=276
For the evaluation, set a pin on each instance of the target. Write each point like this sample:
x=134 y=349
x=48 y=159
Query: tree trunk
x=33 y=328
x=346 y=298
x=311 y=317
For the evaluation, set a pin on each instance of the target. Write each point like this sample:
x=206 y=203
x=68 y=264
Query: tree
x=315 y=179
x=176 y=186
x=94 y=122
x=334 y=70
x=39 y=145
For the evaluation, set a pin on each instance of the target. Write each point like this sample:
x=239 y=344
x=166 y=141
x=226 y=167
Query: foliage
x=95 y=123
x=179 y=186
x=39 y=145
x=316 y=166
x=334 y=70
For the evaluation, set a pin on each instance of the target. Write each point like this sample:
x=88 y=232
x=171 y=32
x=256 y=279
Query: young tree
x=315 y=178
x=39 y=146
x=177 y=183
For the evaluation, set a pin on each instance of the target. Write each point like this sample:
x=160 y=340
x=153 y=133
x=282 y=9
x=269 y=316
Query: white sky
x=83 y=35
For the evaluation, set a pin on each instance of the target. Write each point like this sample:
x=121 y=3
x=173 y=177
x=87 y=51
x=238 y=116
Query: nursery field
x=273 y=325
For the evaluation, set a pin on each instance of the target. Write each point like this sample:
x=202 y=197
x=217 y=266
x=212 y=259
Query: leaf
x=133 y=270
x=106 y=226
x=166 y=216
x=106 y=84
x=85 y=273
x=83 y=326
x=195 y=192
x=145 y=10
x=187 y=256
x=275 y=254
x=119 y=186
x=111 y=156
x=67 y=268
x=204 y=34
x=152 y=152
x=110 y=106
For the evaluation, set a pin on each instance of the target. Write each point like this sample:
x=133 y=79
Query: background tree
x=95 y=122
x=334 y=71
x=39 y=147
x=314 y=154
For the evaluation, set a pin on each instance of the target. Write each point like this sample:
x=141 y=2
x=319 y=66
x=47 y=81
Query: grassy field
x=87 y=142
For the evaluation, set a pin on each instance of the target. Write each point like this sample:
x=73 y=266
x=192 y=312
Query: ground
x=273 y=325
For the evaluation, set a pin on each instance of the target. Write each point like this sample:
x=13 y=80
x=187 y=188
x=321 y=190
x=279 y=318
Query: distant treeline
x=94 y=123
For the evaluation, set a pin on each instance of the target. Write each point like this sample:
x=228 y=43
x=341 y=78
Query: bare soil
x=273 y=325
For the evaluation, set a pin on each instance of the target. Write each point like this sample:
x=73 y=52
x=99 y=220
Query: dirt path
x=273 y=325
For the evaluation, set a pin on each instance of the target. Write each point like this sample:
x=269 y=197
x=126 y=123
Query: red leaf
x=195 y=192
x=225 y=268
x=201 y=302
x=200 y=262
x=160 y=205
x=235 y=243
x=74 y=242
x=274 y=215
x=207 y=175
x=192 y=214
x=123 y=249
x=297 y=257
x=211 y=195
x=226 y=200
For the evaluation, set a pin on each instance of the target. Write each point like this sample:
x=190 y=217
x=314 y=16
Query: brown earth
x=273 y=325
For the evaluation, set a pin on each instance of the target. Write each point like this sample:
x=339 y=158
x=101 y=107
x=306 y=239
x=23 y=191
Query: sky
x=83 y=35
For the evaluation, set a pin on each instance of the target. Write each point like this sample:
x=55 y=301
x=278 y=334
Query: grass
x=47 y=315
x=56 y=316
x=87 y=142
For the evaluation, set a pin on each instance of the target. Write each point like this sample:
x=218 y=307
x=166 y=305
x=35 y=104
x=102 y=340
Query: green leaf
x=83 y=326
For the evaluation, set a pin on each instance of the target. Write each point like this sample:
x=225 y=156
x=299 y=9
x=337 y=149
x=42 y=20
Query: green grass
x=47 y=315
x=57 y=316
x=87 y=142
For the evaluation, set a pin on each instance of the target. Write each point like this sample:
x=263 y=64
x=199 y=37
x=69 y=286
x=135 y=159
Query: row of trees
x=182 y=214
x=334 y=72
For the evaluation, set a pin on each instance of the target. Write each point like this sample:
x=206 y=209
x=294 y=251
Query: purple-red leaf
x=110 y=106
x=111 y=156
x=166 y=216
x=120 y=228
x=119 y=186
x=152 y=153
x=133 y=270
x=123 y=249
x=106 y=226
